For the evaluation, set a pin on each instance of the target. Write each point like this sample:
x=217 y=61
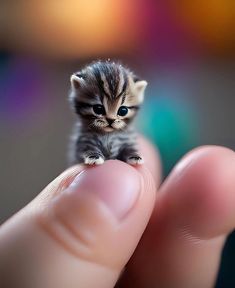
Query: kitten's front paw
x=135 y=160
x=94 y=160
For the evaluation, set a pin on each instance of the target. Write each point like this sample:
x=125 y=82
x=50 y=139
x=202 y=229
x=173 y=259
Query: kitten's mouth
x=108 y=129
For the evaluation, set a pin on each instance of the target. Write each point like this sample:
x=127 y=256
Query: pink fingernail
x=117 y=185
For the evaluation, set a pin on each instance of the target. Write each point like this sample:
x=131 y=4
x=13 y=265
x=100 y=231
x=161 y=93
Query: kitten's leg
x=90 y=155
x=130 y=155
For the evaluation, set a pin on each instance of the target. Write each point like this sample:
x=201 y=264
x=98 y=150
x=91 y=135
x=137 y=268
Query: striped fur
x=105 y=132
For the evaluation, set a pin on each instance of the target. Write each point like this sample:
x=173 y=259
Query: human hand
x=82 y=232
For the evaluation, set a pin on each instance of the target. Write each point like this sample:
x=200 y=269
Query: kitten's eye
x=99 y=109
x=122 y=111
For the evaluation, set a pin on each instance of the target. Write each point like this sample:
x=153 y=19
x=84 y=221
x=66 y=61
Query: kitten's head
x=106 y=96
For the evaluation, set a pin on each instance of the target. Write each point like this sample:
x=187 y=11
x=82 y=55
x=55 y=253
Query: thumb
x=80 y=231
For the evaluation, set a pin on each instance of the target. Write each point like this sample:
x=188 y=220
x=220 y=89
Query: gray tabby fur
x=99 y=137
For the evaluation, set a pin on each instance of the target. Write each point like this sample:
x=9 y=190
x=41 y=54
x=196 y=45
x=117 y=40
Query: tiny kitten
x=106 y=97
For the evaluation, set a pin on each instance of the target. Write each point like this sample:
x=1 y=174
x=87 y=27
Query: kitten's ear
x=139 y=89
x=76 y=81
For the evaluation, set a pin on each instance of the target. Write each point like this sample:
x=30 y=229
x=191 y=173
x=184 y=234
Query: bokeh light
x=212 y=21
x=22 y=85
x=69 y=28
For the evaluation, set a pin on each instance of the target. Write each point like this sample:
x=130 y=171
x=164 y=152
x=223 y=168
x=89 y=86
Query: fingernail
x=115 y=183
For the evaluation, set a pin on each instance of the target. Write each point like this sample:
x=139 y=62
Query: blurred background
x=184 y=49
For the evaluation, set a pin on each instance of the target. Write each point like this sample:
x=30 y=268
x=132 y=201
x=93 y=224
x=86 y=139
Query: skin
x=83 y=234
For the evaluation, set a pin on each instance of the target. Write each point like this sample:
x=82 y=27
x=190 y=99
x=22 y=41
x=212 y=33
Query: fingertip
x=201 y=189
x=90 y=221
x=102 y=205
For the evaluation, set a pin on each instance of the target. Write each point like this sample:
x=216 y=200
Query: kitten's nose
x=110 y=121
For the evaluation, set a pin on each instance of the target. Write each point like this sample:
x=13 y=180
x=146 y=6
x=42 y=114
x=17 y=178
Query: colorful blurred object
x=22 y=82
x=68 y=28
x=211 y=21
x=95 y=28
x=168 y=119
